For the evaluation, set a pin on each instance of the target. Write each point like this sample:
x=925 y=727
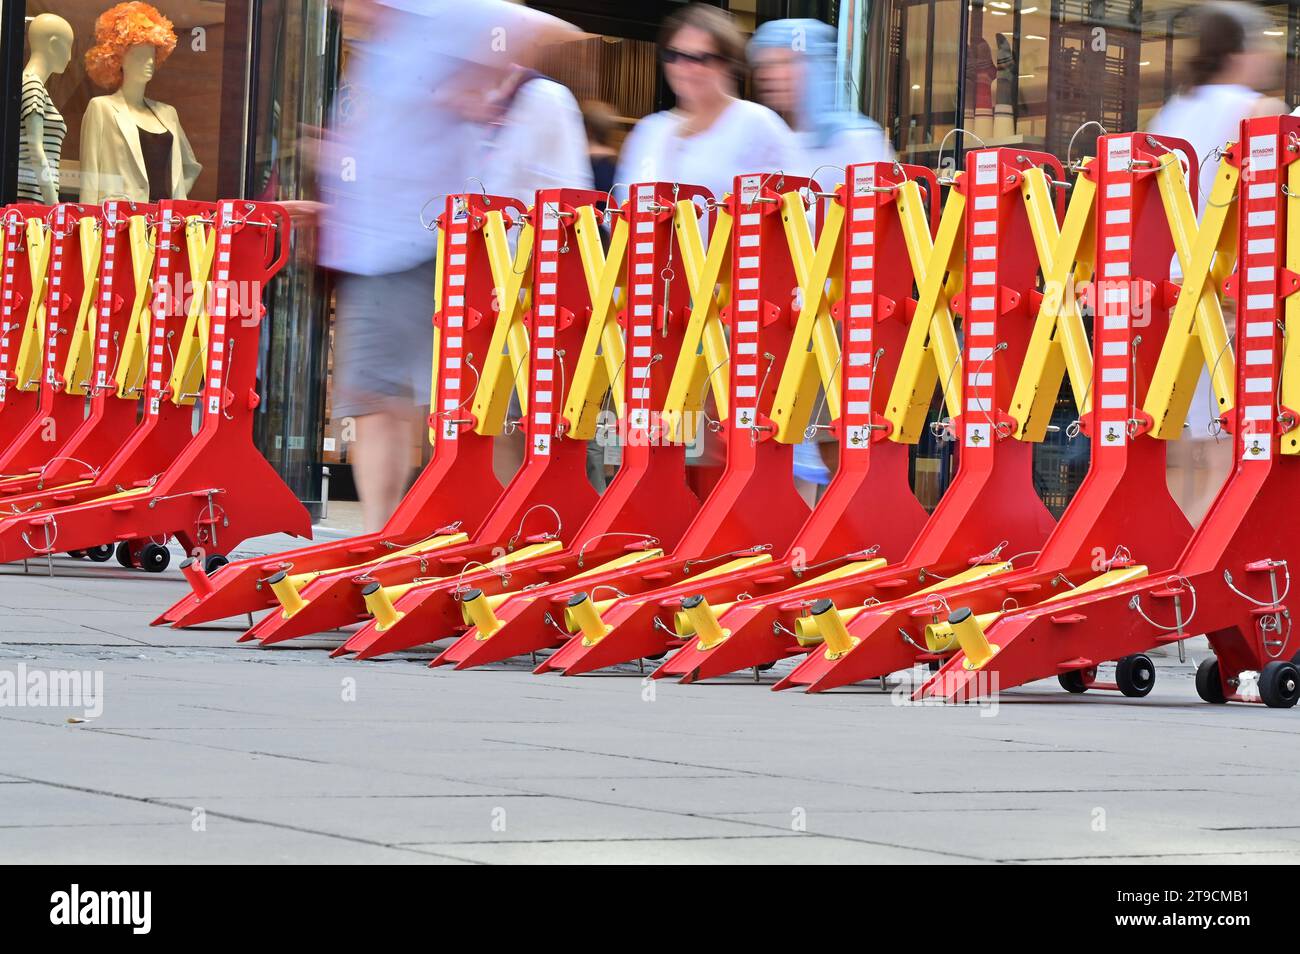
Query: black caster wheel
x=100 y=554
x=1208 y=684
x=1279 y=684
x=1073 y=681
x=657 y=656
x=764 y=667
x=123 y=552
x=154 y=558
x=213 y=563
x=77 y=554
x=1135 y=675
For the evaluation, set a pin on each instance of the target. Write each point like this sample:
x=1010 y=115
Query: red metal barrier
x=56 y=414
x=455 y=490
x=1232 y=582
x=17 y=405
x=550 y=493
x=109 y=419
x=991 y=505
x=731 y=519
x=209 y=490
x=648 y=503
x=1124 y=507
x=868 y=509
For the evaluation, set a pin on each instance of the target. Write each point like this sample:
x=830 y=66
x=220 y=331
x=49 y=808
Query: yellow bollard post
x=807 y=632
x=941 y=638
x=380 y=606
x=477 y=612
x=581 y=616
x=970 y=635
x=291 y=601
x=703 y=622
x=831 y=625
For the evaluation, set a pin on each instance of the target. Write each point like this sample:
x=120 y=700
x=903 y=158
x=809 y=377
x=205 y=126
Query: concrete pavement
x=208 y=751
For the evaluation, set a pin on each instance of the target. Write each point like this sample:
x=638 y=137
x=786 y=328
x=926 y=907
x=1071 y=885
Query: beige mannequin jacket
x=112 y=165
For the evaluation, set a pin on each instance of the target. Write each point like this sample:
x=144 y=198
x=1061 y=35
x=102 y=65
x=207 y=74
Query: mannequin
x=980 y=75
x=132 y=147
x=40 y=145
x=1004 y=107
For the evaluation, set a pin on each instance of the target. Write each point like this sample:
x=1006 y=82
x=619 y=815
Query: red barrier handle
x=926 y=175
x=284 y=225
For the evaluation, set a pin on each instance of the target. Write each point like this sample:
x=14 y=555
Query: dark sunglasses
x=670 y=55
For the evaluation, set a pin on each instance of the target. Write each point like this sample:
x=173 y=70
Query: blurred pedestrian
x=531 y=138
x=1231 y=66
x=408 y=140
x=795 y=74
x=710 y=136
x=533 y=135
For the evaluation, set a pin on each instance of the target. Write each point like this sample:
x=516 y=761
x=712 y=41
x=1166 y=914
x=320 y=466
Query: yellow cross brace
x=27 y=369
x=599 y=367
x=931 y=348
x=815 y=347
x=1197 y=336
x=704 y=355
x=79 y=365
x=505 y=366
x=133 y=348
x=1058 y=344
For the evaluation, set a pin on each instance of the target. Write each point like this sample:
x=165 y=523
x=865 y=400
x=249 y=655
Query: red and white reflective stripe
x=746 y=304
x=1112 y=331
x=859 y=305
x=219 y=306
x=59 y=240
x=108 y=258
x=161 y=306
x=451 y=346
x=981 y=319
x=13 y=233
x=643 y=268
x=1261 y=246
x=543 y=398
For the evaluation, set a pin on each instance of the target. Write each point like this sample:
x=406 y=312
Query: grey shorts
x=383 y=341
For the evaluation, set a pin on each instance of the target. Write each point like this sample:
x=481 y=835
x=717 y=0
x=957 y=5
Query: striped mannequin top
x=36 y=99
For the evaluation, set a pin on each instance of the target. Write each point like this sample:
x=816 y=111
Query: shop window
x=152 y=107
x=955 y=73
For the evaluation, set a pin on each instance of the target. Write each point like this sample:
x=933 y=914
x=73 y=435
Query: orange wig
x=117 y=30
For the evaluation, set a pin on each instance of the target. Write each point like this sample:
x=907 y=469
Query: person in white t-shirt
x=535 y=139
x=711 y=136
x=795 y=74
x=1232 y=63
x=406 y=140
